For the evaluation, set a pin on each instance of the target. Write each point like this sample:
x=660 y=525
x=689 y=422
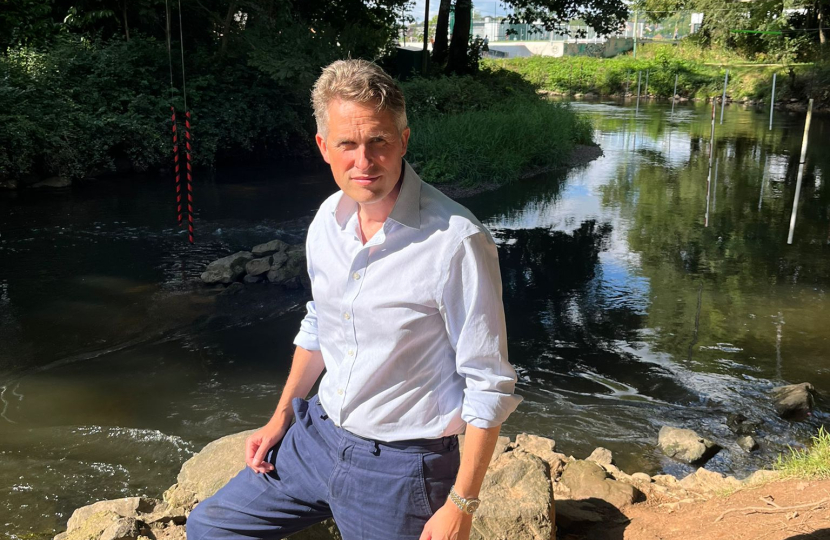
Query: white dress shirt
x=411 y=324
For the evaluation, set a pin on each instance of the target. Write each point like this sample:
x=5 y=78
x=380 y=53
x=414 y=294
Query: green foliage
x=811 y=463
x=495 y=145
x=699 y=74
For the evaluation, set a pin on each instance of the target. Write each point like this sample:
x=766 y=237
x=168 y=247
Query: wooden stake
x=801 y=162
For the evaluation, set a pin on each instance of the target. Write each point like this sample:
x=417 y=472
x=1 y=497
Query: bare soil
x=781 y=510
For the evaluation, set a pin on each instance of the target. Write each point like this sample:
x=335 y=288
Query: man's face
x=364 y=149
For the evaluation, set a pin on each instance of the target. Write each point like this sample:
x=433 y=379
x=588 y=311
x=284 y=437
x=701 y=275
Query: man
x=408 y=323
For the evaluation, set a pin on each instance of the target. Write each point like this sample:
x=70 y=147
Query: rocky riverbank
x=594 y=499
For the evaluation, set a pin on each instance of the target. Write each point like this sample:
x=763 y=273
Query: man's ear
x=324 y=148
x=404 y=141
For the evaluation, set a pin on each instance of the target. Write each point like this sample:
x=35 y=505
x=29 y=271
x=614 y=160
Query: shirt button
x=350 y=353
x=339 y=391
x=356 y=276
x=347 y=316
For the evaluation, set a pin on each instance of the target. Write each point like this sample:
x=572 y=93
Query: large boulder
x=544 y=449
x=587 y=480
x=269 y=248
x=291 y=272
x=121 y=519
x=516 y=500
x=202 y=475
x=257 y=267
x=709 y=483
x=227 y=269
x=502 y=445
x=686 y=445
x=794 y=401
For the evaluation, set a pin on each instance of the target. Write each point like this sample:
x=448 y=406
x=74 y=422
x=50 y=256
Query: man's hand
x=258 y=444
x=448 y=523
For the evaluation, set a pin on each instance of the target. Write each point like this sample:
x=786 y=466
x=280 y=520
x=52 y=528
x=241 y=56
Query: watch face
x=472 y=506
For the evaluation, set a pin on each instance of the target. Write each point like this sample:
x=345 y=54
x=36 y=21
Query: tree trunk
x=226 y=28
x=124 y=15
x=440 y=47
x=822 y=37
x=458 y=59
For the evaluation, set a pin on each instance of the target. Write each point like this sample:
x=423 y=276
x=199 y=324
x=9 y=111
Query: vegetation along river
x=629 y=305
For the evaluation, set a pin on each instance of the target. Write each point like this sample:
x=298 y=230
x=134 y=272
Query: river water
x=637 y=294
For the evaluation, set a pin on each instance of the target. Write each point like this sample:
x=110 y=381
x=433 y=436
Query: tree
x=604 y=16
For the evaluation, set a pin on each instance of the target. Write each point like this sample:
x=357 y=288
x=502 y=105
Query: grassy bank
x=700 y=74
x=812 y=463
x=487 y=130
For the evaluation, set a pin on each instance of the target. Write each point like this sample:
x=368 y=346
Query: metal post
x=636 y=18
x=674 y=96
x=639 y=78
x=772 y=101
x=711 y=155
x=723 y=99
x=645 y=93
x=715 y=188
x=426 y=39
x=627 y=83
x=801 y=162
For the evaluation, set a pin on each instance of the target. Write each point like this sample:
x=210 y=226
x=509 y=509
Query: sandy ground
x=782 y=510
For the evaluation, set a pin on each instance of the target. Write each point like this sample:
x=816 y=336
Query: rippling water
x=637 y=294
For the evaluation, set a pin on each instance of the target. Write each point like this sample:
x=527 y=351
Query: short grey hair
x=357 y=81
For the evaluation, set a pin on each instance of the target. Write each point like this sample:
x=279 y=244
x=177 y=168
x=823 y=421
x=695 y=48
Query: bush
x=496 y=145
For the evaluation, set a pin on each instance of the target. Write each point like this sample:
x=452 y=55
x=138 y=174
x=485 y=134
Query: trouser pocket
x=438 y=473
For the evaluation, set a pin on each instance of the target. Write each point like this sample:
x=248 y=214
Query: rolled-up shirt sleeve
x=307 y=337
x=474 y=316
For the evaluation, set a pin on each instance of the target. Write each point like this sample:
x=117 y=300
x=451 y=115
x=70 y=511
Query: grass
x=700 y=73
x=812 y=463
x=497 y=145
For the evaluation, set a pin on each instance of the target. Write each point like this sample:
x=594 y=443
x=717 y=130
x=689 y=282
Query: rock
x=544 y=449
x=666 y=480
x=517 y=501
x=588 y=480
x=122 y=529
x=748 y=443
x=286 y=273
x=120 y=519
x=601 y=456
x=795 y=401
x=738 y=424
x=257 y=267
x=202 y=475
x=227 y=269
x=253 y=279
x=55 y=182
x=686 y=445
x=269 y=248
x=708 y=482
x=8 y=184
x=641 y=477
x=279 y=259
x=761 y=477
x=502 y=445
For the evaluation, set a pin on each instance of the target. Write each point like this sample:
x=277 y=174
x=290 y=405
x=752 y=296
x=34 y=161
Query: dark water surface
x=629 y=306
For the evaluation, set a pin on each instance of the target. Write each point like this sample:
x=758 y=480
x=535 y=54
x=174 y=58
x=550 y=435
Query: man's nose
x=362 y=158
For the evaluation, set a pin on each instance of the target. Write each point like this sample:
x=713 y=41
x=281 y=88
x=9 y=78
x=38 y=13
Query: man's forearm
x=306 y=368
x=479 y=445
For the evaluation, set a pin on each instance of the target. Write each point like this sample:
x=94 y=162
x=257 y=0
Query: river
x=637 y=294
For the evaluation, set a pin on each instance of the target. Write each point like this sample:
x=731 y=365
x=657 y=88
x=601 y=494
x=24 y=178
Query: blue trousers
x=374 y=490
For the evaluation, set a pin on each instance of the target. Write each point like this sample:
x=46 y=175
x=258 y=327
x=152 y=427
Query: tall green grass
x=497 y=145
x=811 y=463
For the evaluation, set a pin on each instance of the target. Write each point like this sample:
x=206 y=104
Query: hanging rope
x=177 y=173
x=187 y=136
x=187 y=131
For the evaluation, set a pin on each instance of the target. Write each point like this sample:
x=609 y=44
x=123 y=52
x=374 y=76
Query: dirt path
x=761 y=513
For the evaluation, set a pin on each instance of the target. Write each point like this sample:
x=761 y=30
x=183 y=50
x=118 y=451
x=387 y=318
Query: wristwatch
x=468 y=506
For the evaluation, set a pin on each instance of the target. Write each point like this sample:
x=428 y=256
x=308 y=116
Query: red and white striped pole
x=176 y=161
x=189 y=178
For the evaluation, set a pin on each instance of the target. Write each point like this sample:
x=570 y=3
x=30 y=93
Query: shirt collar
x=407 y=210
